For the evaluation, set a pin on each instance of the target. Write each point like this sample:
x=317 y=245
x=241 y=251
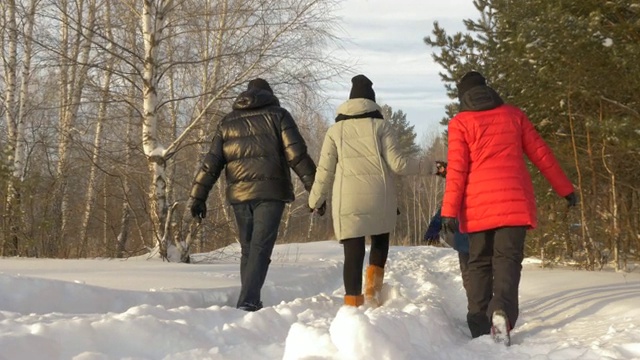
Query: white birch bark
x=16 y=117
x=153 y=17
x=20 y=161
x=10 y=241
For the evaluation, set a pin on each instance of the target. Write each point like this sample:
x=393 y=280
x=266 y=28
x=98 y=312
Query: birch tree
x=74 y=54
x=10 y=64
x=251 y=38
x=92 y=184
x=15 y=114
x=126 y=208
x=170 y=70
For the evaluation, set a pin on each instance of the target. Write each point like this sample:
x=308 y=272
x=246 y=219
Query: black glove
x=572 y=199
x=321 y=210
x=198 y=208
x=449 y=225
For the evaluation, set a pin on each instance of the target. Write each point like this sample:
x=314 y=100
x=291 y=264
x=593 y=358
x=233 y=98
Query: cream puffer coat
x=357 y=162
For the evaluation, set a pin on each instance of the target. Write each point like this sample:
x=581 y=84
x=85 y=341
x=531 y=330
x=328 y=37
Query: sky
x=384 y=39
x=143 y=308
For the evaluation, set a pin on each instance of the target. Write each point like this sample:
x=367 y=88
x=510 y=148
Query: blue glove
x=432 y=234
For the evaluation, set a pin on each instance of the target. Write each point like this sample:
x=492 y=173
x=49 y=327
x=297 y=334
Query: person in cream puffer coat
x=359 y=158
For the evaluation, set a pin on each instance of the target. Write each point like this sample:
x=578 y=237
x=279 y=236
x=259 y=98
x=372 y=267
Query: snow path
x=105 y=313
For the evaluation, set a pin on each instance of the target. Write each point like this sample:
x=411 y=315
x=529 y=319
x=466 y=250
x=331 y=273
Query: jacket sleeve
x=542 y=157
x=398 y=163
x=457 y=169
x=325 y=174
x=434 y=226
x=295 y=151
x=210 y=170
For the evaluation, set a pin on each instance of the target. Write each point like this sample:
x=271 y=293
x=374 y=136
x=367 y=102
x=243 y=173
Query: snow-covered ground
x=146 y=309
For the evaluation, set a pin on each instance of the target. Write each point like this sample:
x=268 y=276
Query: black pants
x=258 y=223
x=463 y=259
x=354 y=250
x=495 y=265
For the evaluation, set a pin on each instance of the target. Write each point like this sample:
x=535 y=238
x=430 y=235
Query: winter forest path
x=114 y=309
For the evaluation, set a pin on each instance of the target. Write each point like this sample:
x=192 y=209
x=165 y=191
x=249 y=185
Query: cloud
x=385 y=40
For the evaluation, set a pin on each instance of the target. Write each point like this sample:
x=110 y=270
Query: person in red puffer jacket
x=489 y=191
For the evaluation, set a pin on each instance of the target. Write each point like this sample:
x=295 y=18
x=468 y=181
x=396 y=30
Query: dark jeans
x=495 y=265
x=258 y=223
x=354 y=250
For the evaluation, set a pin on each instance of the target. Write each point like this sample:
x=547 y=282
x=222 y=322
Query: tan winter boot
x=353 y=300
x=373 y=285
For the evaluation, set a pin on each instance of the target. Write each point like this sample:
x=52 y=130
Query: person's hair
x=441 y=168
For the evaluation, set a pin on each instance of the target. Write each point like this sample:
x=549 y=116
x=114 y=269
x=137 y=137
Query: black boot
x=479 y=324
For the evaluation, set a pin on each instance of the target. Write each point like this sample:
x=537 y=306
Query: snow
x=158 y=151
x=148 y=309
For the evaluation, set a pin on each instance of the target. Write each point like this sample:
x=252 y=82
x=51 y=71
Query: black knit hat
x=259 y=83
x=470 y=80
x=362 y=88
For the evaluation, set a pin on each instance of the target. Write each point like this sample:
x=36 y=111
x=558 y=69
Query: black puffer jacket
x=257 y=143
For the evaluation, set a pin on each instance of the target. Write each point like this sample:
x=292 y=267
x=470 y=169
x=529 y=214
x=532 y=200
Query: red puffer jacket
x=488 y=185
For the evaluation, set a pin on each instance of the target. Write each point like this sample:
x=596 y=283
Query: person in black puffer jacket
x=256 y=144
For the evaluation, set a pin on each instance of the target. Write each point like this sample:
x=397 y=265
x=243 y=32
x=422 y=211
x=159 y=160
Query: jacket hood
x=253 y=99
x=357 y=109
x=480 y=98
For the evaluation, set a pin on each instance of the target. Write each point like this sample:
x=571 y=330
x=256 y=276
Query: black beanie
x=361 y=88
x=259 y=83
x=470 y=80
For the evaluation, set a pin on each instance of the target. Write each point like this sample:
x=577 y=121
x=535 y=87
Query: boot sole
x=500 y=328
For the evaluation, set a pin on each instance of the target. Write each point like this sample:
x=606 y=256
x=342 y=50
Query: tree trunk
x=95 y=161
x=72 y=82
x=125 y=221
x=10 y=240
x=589 y=245
x=15 y=113
x=613 y=204
x=153 y=22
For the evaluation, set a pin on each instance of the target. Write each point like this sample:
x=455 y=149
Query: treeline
x=571 y=65
x=108 y=107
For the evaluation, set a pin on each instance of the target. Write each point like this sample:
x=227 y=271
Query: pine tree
x=463 y=52
x=571 y=67
x=404 y=130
